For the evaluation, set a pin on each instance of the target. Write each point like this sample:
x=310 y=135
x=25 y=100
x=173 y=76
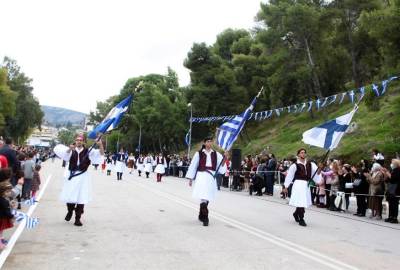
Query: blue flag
x=112 y=119
x=229 y=131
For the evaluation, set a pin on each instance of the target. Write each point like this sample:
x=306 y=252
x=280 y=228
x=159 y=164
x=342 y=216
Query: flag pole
x=223 y=159
x=323 y=161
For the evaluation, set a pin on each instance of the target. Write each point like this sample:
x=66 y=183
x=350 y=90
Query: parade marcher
x=103 y=165
x=160 y=167
x=202 y=169
x=140 y=164
x=109 y=164
x=131 y=163
x=76 y=190
x=120 y=159
x=300 y=173
x=148 y=165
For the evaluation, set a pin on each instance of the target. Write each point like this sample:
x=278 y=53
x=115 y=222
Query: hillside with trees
x=299 y=50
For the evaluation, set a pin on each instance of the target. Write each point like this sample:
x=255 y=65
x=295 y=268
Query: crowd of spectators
x=19 y=179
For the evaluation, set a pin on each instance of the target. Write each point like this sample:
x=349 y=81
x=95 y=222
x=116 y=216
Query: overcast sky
x=80 y=52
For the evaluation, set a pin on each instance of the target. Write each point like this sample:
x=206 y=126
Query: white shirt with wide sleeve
x=205 y=186
x=79 y=188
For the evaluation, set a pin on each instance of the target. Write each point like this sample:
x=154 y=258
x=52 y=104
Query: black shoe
x=78 y=223
x=394 y=221
x=68 y=216
x=205 y=222
x=296 y=217
x=356 y=214
x=388 y=219
x=302 y=223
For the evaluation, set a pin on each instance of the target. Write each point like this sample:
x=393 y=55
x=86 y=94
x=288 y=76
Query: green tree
x=7 y=99
x=28 y=113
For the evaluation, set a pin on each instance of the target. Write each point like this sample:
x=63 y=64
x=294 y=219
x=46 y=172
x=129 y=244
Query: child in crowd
x=36 y=180
x=6 y=216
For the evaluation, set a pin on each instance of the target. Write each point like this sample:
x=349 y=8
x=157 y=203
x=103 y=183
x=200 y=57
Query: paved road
x=137 y=223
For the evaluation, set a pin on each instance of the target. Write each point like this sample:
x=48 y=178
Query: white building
x=42 y=138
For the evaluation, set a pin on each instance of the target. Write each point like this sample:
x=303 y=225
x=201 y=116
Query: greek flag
x=19 y=216
x=187 y=139
x=31 y=201
x=228 y=132
x=31 y=222
x=112 y=119
x=329 y=134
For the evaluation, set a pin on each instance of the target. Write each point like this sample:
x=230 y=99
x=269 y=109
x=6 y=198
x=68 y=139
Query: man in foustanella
x=76 y=191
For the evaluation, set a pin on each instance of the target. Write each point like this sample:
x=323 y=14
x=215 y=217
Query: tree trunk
x=315 y=77
x=354 y=64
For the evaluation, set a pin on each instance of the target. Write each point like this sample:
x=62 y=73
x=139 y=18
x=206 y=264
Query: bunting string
x=353 y=96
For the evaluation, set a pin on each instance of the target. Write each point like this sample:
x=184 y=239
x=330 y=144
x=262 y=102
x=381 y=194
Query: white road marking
x=4 y=254
x=301 y=250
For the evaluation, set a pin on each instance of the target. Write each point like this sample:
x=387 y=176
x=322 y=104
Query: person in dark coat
x=270 y=175
x=361 y=187
x=393 y=191
x=11 y=155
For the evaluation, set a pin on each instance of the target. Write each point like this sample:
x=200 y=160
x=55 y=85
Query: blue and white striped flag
x=229 y=131
x=31 y=201
x=19 y=216
x=31 y=222
x=112 y=119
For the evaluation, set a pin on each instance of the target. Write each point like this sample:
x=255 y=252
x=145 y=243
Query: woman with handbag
x=393 y=190
x=376 y=181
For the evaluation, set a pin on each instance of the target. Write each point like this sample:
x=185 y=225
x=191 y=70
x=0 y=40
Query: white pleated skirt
x=76 y=190
x=301 y=194
x=205 y=187
x=160 y=168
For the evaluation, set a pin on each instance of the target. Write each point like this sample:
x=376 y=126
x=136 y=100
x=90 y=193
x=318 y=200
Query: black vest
x=303 y=172
x=83 y=159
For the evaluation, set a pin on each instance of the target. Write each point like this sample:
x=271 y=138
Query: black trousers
x=300 y=211
x=361 y=204
x=269 y=184
x=393 y=207
x=328 y=195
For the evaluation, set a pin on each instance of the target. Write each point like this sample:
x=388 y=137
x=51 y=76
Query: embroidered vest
x=84 y=161
x=160 y=160
x=203 y=160
x=303 y=172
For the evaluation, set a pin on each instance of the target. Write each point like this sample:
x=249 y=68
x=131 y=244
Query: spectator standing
x=36 y=180
x=28 y=167
x=6 y=217
x=378 y=157
x=361 y=188
x=270 y=175
x=376 y=181
x=393 y=191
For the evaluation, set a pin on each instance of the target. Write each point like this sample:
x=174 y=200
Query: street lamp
x=190 y=128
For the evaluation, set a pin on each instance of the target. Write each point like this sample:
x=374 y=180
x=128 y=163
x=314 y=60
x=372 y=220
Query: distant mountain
x=55 y=116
